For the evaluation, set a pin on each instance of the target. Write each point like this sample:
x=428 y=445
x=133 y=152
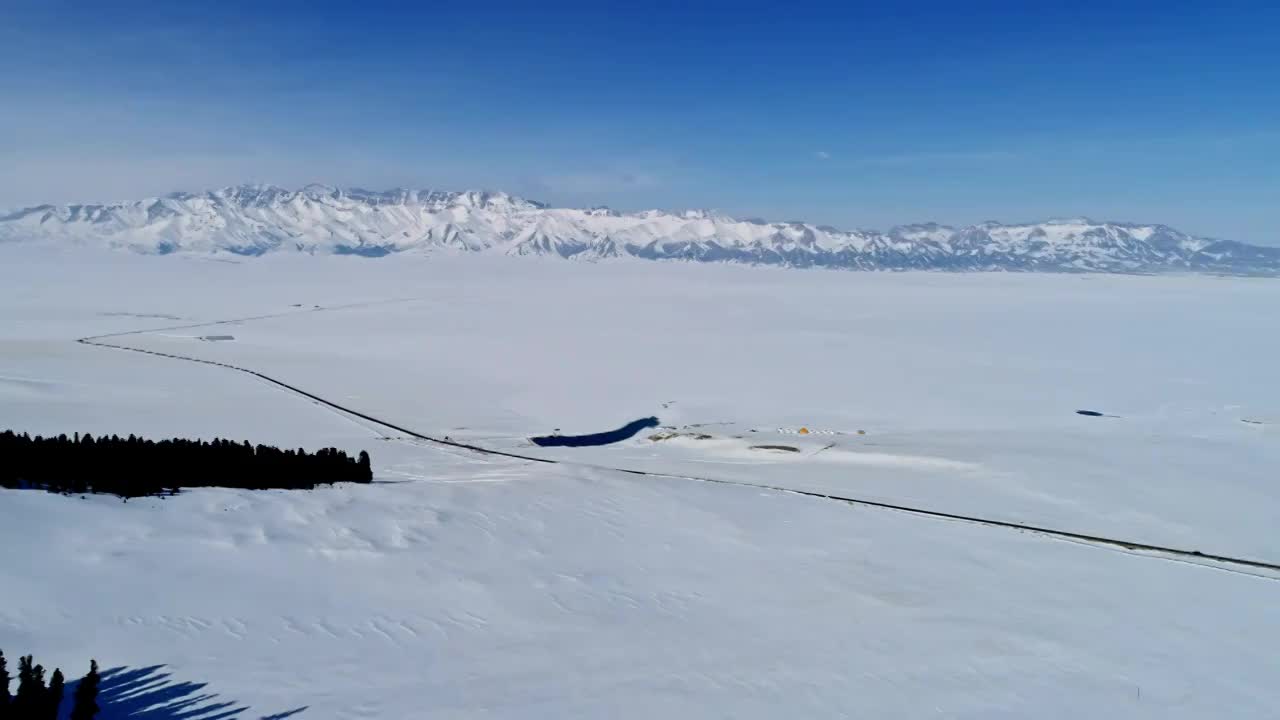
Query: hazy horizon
x=851 y=117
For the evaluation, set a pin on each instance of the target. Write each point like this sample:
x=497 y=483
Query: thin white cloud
x=960 y=157
x=822 y=155
x=595 y=182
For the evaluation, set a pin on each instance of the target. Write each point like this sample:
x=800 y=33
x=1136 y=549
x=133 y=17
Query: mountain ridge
x=254 y=219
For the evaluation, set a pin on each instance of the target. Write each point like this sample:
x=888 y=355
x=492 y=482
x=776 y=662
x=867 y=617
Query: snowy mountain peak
x=254 y=219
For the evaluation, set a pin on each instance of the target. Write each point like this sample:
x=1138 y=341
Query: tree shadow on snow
x=150 y=694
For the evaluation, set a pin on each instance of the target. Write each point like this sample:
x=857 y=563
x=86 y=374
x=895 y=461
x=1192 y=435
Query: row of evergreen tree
x=134 y=467
x=36 y=701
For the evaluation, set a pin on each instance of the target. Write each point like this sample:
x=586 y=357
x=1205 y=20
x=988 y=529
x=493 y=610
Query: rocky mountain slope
x=257 y=219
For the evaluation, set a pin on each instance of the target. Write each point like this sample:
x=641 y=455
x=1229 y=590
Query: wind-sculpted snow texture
x=479 y=586
x=258 y=219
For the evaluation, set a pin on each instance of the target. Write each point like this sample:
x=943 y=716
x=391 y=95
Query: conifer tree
x=366 y=470
x=53 y=697
x=86 y=697
x=38 y=690
x=137 y=467
x=4 y=688
x=29 y=702
x=20 y=706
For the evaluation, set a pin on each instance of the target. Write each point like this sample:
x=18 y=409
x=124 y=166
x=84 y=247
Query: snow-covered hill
x=257 y=219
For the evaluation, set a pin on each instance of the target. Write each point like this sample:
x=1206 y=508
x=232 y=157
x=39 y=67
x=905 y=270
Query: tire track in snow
x=1140 y=549
x=265 y=316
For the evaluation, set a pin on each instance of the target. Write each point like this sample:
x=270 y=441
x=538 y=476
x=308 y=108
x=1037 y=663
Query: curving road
x=1215 y=560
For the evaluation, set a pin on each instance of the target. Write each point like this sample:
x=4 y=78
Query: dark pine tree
x=135 y=467
x=86 y=697
x=31 y=690
x=53 y=698
x=4 y=688
x=24 y=686
x=38 y=689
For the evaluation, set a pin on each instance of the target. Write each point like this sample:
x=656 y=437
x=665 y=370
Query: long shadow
x=149 y=693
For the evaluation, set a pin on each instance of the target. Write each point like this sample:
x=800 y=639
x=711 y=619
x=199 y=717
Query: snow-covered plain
x=474 y=586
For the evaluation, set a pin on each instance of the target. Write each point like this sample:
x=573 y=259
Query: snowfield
x=465 y=585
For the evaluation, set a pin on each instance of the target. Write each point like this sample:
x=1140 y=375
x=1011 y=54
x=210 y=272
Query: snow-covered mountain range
x=257 y=219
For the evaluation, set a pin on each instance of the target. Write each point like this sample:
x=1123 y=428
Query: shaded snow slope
x=257 y=219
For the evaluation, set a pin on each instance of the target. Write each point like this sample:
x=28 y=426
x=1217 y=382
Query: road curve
x=1149 y=550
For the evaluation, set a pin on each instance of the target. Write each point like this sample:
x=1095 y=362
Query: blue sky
x=856 y=116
